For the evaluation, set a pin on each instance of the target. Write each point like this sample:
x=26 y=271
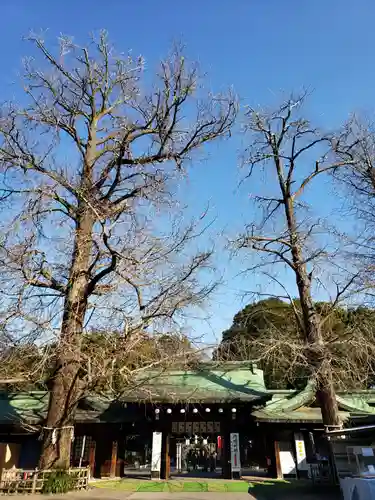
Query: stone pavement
x=263 y=493
x=108 y=494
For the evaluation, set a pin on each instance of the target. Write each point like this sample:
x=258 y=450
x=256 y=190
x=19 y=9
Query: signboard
x=181 y=427
x=287 y=462
x=367 y=452
x=235 y=452
x=190 y=428
x=300 y=452
x=156 y=452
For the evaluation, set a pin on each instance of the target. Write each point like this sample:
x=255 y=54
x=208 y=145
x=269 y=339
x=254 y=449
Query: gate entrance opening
x=199 y=456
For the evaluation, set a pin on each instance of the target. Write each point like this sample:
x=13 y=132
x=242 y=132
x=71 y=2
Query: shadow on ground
x=293 y=491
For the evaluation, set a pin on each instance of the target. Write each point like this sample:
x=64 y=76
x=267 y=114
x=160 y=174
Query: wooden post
x=279 y=473
x=2 y=458
x=112 y=472
x=35 y=478
x=167 y=460
x=92 y=458
x=165 y=469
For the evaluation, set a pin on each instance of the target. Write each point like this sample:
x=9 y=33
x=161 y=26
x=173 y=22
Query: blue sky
x=261 y=47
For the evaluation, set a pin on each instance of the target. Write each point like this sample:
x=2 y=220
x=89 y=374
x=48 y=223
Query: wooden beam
x=279 y=473
x=112 y=472
x=92 y=458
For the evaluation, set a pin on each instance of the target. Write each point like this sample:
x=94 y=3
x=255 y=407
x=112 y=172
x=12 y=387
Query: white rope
x=58 y=428
x=54 y=432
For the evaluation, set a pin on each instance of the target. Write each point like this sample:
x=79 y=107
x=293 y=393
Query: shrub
x=59 y=481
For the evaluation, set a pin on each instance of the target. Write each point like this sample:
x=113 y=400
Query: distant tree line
x=267 y=331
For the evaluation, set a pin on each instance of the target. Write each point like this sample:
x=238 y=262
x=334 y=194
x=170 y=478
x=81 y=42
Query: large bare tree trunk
x=325 y=391
x=65 y=392
x=317 y=353
x=311 y=324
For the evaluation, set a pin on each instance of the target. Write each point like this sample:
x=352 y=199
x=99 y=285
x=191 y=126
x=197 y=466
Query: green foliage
x=107 y=358
x=59 y=481
x=280 y=320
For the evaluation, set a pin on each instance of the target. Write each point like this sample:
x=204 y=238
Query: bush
x=59 y=481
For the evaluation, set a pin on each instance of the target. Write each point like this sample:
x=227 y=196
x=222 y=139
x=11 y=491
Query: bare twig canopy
x=293 y=154
x=88 y=163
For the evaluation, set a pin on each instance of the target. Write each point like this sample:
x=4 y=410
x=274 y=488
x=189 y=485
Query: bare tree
x=357 y=147
x=293 y=154
x=280 y=350
x=87 y=164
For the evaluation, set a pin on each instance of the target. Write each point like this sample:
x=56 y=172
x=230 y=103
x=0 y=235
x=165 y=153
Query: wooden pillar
x=165 y=458
x=279 y=473
x=112 y=472
x=2 y=457
x=225 y=455
x=92 y=458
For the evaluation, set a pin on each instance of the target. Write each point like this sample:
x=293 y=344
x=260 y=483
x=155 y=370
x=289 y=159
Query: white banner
x=156 y=452
x=179 y=456
x=235 y=452
x=300 y=451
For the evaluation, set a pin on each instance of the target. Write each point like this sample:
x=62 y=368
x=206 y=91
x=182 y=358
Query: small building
x=353 y=451
x=216 y=419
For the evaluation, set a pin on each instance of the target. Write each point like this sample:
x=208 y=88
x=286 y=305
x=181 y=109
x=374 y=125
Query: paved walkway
x=258 y=494
x=107 y=494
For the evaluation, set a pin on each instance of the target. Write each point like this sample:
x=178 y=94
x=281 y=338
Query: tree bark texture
x=64 y=395
x=317 y=353
x=65 y=388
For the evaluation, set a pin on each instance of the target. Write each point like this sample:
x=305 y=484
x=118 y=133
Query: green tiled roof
x=303 y=414
x=358 y=402
x=209 y=383
x=231 y=382
x=296 y=406
x=20 y=406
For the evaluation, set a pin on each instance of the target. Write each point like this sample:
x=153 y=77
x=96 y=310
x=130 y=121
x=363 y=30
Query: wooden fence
x=32 y=481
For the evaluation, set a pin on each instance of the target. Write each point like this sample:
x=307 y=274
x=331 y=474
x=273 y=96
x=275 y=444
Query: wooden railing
x=32 y=481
